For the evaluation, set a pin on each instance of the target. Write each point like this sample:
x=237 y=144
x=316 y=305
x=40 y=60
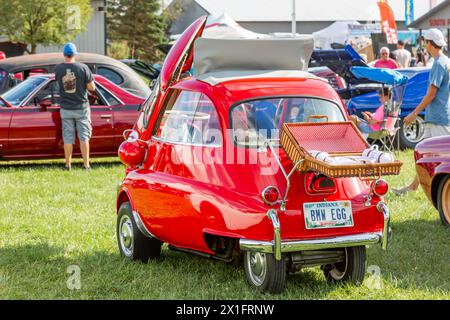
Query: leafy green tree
x=45 y=22
x=141 y=24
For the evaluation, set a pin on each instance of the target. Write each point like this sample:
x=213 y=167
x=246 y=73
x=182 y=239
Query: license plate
x=333 y=214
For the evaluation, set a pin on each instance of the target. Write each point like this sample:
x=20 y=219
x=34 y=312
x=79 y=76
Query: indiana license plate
x=333 y=214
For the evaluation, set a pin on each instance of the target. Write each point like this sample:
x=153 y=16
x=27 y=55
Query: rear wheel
x=412 y=134
x=132 y=243
x=443 y=201
x=352 y=269
x=264 y=272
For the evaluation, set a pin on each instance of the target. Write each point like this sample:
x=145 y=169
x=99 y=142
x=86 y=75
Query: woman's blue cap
x=70 y=49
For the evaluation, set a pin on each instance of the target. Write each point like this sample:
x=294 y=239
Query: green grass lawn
x=51 y=219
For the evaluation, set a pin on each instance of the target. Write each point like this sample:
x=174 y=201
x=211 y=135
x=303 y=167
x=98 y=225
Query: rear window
x=110 y=74
x=255 y=121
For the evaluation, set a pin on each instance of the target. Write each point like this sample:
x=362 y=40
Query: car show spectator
x=402 y=56
x=436 y=101
x=420 y=59
x=372 y=121
x=385 y=61
x=75 y=80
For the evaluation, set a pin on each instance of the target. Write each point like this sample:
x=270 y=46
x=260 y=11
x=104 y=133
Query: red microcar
x=206 y=175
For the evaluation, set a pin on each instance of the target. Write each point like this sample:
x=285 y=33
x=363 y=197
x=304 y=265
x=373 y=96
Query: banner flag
x=409 y=12
x=388 y=24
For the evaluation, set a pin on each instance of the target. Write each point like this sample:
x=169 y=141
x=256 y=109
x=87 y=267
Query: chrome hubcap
x=257 y=266
x=126 y=235
x=339 y=269
x=414 y=132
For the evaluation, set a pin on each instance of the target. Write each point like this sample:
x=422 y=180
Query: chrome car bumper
x=277 y=246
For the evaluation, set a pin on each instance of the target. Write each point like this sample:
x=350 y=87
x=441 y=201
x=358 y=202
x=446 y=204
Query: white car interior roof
x=220 y=60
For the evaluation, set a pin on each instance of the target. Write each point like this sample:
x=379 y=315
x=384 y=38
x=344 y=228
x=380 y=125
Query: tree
x=140 y=23
x=45 y=22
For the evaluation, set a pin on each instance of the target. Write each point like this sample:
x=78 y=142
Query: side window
x=108 y=97
x=50 y=92
x=110 y=74
x=190 y=117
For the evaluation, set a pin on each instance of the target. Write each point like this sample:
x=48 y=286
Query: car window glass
x=190 y=118
x=107 y=96
x=255 y=121
x=110 y=74
x=16 y=95
x=49 y=92
x=149 y=105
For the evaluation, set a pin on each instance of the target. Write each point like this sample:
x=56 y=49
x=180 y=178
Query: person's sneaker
x=87 y=168
x=66 y=168
x=401 y=191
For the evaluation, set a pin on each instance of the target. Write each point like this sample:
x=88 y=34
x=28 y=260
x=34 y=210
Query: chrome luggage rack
x=268 y=144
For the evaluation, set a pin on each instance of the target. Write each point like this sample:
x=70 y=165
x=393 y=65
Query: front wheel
x=352 y=269
x=412 y=134
x=264 y=272
x=132 y=243
x=443 y=201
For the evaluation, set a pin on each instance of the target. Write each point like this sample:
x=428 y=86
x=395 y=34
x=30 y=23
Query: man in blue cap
x=75 y=80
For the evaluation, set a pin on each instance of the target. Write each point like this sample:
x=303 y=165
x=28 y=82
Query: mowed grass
x=51 y=219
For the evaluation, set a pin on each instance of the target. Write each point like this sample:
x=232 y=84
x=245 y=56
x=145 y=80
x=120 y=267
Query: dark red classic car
x=203 y=175
x=17 y=69
x=30 y=123
x=433 y=169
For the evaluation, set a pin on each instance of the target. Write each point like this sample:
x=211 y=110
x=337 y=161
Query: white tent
x=337 y=32
x=222 y=26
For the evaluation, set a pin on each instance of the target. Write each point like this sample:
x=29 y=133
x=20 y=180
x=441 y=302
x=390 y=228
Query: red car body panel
x=432 y=163
x=179 y=201
x=26 y=132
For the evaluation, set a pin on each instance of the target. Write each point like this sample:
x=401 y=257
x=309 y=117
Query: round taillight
x=270 y=195
x=131 y=153
x=380 y=187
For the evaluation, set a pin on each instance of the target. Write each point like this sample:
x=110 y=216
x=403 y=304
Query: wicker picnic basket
x=337 y=139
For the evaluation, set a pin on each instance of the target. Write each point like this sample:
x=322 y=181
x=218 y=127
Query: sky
x=309 y=10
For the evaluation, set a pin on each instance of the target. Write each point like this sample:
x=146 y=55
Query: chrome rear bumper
x=277 y=247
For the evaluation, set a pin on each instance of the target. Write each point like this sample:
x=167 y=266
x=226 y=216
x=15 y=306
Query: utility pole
x=294 y=21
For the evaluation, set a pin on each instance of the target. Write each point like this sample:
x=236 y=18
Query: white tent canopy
x=222 y=26
x=337 y=32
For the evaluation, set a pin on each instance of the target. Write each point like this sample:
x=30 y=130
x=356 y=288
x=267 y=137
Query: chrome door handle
x=106 y=116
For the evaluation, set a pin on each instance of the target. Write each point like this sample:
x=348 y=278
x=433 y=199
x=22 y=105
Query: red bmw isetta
x=206 y=175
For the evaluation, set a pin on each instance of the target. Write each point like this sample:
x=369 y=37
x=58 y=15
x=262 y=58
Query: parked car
x=363 y=95
x=433 y=169
x=324 y=72
x=180 y=190
x=30 y=123
x=144 y=69
x=415 y=90
x=16 y=69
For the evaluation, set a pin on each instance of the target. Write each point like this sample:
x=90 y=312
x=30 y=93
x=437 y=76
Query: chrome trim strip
x=315 y=244
x=142 y=228
x=383 y=208
x=276 y=248
x=212 y=145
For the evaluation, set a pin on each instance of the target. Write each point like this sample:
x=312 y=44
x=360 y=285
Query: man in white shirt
x=402 y=55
